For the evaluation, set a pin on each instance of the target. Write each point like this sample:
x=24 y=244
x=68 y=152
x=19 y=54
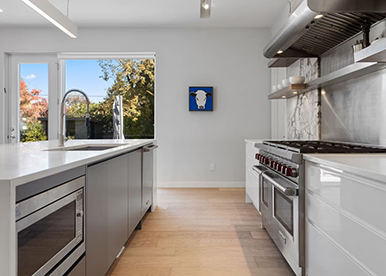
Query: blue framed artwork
x=201 y=98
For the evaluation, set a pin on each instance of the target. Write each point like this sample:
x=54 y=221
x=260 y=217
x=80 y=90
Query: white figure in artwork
x=201 y=96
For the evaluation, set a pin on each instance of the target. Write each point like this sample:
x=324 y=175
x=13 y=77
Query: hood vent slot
x=304 y=36
x=332 y=30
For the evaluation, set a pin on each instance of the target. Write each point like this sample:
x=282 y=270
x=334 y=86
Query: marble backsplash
x=303 y=120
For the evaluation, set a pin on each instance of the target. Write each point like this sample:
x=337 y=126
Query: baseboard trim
x=200 y=184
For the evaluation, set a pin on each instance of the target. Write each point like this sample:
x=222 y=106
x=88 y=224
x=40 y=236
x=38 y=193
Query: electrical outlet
x=212 y=167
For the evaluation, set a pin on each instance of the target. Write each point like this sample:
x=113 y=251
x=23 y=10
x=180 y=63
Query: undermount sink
x=86 y=148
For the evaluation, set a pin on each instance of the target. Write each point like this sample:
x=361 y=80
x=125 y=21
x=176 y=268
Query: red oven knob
x=257 y=156
x=284 y=169
x=266 y=161
x=279 y=166
x=288 y=172
x=273 y=164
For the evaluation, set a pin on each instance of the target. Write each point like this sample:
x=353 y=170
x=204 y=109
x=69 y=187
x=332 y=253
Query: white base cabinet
x=251 y=177
x=345 y=223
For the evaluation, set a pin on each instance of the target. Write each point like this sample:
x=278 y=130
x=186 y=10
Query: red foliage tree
x=32 y=105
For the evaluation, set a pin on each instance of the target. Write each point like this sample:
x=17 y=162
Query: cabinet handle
x=283 y=237
x=149 y=148
x=147 y=202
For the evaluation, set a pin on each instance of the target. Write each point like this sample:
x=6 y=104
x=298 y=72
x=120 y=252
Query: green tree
x=34 y=132
x=134 y=80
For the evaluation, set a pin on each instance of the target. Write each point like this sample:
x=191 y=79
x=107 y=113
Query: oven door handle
x=259 y=169
x=286 y=188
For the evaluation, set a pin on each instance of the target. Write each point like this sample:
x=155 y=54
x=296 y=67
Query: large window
x=104 y=80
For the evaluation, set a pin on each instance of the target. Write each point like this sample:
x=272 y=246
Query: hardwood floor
x=201 y=232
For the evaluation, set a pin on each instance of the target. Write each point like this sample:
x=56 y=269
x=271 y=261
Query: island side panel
x=8 y=241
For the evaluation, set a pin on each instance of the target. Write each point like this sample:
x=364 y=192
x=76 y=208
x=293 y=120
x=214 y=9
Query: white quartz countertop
x=25 y=162
x=371 y=166
x=254 y=141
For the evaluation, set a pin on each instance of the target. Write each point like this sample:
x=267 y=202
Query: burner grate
x=325 y=147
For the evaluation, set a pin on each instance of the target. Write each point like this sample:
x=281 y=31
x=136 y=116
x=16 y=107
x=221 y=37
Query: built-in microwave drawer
x=49 y=227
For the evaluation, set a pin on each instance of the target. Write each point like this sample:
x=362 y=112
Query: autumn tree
x=32 y=107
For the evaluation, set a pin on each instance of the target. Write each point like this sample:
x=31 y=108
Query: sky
x=80 y=74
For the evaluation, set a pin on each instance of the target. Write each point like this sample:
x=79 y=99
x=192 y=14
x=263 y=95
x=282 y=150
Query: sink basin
x=86 y=148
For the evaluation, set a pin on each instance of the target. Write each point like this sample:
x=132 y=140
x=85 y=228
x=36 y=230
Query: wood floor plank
x=222 y=271
x=201 y=232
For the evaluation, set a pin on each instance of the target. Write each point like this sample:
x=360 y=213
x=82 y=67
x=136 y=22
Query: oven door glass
x=46 y=236
x=283 y=210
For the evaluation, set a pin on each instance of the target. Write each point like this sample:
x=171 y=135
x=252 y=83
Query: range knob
x=272 y=164
x=294 y=172
x=267 y=161
x=257 y=156
x=279 y=166
x=284 y=169
x=288 y=171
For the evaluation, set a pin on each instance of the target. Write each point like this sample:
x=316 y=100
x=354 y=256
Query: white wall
x=231 y=60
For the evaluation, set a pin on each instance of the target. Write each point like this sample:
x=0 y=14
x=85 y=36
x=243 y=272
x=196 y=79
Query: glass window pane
x=284 y=211
x=33 y=102
x=103 y=81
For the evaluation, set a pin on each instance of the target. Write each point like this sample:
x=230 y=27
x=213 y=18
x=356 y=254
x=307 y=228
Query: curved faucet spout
x=62 y=134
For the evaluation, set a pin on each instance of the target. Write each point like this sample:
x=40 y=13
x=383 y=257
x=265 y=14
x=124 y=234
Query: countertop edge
x=108 y=154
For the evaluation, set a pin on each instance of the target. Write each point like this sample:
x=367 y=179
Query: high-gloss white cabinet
x=251 y=177
x=346 y=225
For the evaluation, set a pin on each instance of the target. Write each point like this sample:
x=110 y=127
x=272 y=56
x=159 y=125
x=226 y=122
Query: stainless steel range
x=282 y=191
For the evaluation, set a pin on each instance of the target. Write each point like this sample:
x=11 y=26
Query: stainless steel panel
x=147 y=177
x=135 y=190
x=37 y=202
x=304 y=36
x=79 y=269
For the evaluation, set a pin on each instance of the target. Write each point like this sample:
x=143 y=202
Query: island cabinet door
x=106 y=213
x=97 y=225
x=135 y=190
x=117 y=205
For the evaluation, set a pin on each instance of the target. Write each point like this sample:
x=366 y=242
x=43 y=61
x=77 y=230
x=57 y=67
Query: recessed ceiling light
x=283 y=97
x=318 y=16
x=323 y=92
x=205 y=6
x=280 y=52
x=1 y=10
x=295 y=92
x=52 y=14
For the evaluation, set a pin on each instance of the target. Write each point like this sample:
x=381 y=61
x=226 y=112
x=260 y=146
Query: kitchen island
x=44 y=161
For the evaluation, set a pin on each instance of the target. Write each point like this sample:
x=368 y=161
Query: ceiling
x=149 y=13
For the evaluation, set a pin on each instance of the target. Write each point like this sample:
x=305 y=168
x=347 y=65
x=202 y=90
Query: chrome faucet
x=62 y=134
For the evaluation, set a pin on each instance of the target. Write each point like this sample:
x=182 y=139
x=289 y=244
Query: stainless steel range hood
x=304 y=36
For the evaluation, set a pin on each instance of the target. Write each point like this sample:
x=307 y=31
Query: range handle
x=288 y=189
x=259 y=169
x=149 y=148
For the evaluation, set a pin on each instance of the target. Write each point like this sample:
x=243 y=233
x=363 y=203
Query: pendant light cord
x=68 y=8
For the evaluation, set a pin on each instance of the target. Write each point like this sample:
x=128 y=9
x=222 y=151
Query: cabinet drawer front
x=363 y=198
x=325 y=259
x=251 y=150
x=359 y=241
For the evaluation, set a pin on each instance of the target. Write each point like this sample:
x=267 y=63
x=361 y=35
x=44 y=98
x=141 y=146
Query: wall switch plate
x=212 y=167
